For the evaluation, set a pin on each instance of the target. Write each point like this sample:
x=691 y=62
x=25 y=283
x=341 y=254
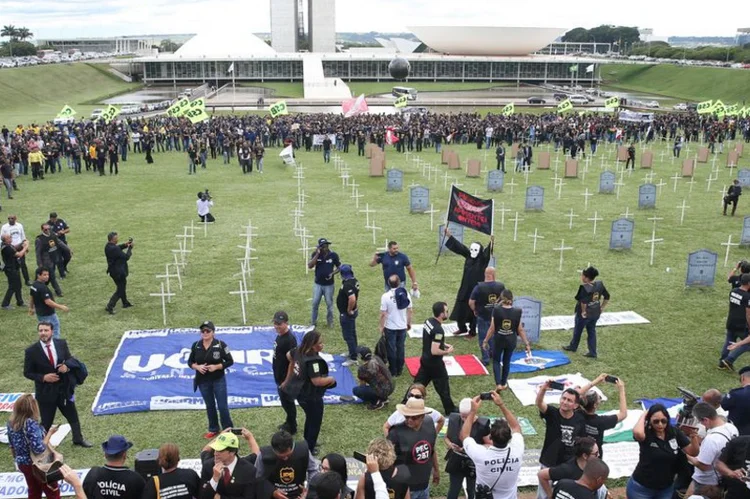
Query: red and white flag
x=353 y=107
x=458 y=365
x=390 y=136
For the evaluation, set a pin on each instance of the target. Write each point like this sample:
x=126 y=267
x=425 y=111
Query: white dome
x=227 y=44
x=486 y=40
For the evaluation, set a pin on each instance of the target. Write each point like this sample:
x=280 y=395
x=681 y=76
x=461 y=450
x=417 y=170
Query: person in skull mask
x=477 y=259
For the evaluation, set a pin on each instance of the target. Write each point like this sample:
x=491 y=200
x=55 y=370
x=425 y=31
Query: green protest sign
x=110 y=113
x=402 y=101
x=278 y=109
x=565 y=105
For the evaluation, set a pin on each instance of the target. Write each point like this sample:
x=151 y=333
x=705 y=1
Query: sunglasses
x=659 y=421
x=414 y=417
x=206 y=331
x=416 y=396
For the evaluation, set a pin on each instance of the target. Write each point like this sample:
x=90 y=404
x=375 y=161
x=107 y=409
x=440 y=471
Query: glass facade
x=465 y=69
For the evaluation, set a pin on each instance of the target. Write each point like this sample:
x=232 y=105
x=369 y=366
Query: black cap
x=744 y=370
x=207 y=325
x=53 y=214
x=323 y=241
x=364 y=352
x=280 y=317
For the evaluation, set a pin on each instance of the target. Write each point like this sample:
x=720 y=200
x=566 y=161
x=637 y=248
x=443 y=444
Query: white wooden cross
x=182 y=252
x=617 y=188
x=515 y=226
x=177 y=272
x=536 y=236
x=677 y=177
x=166 y=277
x=721 y=192
x=344 y=178
x=571 y=216
x=601 y=163
x=185 y=236
x=557 y=163
x=691 y=183
x=244 y=272
x=729 y=245
x=432 y=212
x=502 y=210
x=559 y=187
x=654 y=220
x=596 y=218
x=511 y=184
x=445 y=180
x=367 y=212
x=526 y=172
x=355 y=196
x=189 y=228
x=653 y=242
x=454 y=181
x=205 y=227
x=373 y=228
x=661 y=185
x=562 y=249
x=163 y=296
x=627 y=213
x=586 y=195
x=649 y=177
x=435 y=171
x=709 y=180
x=731 y=167
x=682 y=209
x=243 y=299
x=354 y=185
x=305 y=249
x=661 y=156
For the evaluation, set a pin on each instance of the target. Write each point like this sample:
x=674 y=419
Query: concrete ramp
x=316 y=85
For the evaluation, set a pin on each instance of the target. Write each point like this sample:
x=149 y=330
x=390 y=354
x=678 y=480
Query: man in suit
x=49 y=364
x=225 y=474
x=117 y=268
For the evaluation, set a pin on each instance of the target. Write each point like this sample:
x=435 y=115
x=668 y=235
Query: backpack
x=402 y=298
x=381 y=349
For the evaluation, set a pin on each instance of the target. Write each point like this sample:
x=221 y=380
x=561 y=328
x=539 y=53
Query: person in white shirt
x=718 y=434
x=499 y=456
x=17 y=237
x=204 y=204
x=395 y=320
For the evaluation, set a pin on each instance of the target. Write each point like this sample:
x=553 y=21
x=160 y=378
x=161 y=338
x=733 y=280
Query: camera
x=207 y=195
x=130 y=240
x=237 y=431
x=485 y=396
x=685 y=416
x=611 y=379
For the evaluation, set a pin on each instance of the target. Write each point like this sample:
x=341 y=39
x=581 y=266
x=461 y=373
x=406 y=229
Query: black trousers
x=287 y=403
x=14 y=287
x=24 y=268
x=313 y=407
x=120 y=293
x=67 y=408
x=730 y=200
x=207 y=218
x=53 y=277
x=439 y=377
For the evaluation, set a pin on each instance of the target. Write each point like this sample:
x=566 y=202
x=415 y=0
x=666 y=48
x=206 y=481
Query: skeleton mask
x=474 y=249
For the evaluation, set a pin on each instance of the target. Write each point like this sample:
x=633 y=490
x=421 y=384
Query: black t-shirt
x=739 y=301
x=658 y=459
x=281 y=346
x=734 y=281
x=39 y=293
x=570 y=489
x=486 y=295
x=178 y=484
x=590 y=294
x=735 y=456
x=415 y=449
x=108 y=482
x=348 y=288
x=432 y=332
x=9 y=257
x=595 y=426
x=560 y=435
x=397 y=485
x=567 y=470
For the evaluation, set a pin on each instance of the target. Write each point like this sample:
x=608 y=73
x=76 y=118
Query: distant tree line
x=734 y=53
x=16 y=44
x=623 y=36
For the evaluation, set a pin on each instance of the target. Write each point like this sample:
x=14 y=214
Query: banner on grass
x=149 y=371
x=623 y=431
x=526 y=389
x=557 y=322
x=470 y=211
x=8 y=400
x=459 y=365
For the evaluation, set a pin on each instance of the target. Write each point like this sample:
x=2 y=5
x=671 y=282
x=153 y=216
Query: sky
x=97 y=18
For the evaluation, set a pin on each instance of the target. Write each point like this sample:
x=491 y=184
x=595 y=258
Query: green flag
x=110 y=113
x=705 y=107
x=565 y=105
x=574 y=68
x=279 y=109
x=66 y=112
x=731 y=110
x=178 y=108
x=718 y=108
x=200 y=103
x=509 y=109
x=196 y=114
x=402 y=101
x=612 y=103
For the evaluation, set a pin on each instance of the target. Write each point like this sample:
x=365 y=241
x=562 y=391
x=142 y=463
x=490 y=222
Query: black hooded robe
x=473 y=274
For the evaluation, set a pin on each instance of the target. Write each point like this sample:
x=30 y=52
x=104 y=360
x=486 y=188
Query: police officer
x=346 y=302
x=11 y=255
x=506 y=322
x=48 y=254
x=284 y=343
x=307 y=380
x=285 y=465
x=737 y=402
x=61 y=229
x=483 y=299
x=500 y=156
x=587 y=311
x=733 y=195
x=326 y=264
x=117 y=268
x=736 y=342
x=431 y=366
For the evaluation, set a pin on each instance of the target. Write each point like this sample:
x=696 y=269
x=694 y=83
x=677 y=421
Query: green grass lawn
x=372 y=88
x=683 y=82
x=36 y=94
x=293 y=90
x=152 y=203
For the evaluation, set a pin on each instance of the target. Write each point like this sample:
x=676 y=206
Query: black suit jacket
x=36 y=364
x=117 y=259
x=243 y=484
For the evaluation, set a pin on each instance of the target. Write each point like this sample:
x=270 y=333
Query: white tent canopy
x=227 y=44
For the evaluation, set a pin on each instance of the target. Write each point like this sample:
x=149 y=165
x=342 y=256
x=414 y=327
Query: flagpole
x=445 y=227
x=234 y=87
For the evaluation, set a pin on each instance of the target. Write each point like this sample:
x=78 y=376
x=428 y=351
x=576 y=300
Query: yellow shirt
x=36 y=157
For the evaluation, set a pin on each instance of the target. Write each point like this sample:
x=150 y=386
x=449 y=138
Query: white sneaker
x=349 y=362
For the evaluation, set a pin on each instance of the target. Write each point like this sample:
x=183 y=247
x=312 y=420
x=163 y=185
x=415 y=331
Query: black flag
x=470 y=211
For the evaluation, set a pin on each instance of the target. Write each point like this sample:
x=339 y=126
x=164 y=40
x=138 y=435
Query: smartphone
x=611 y=379
x=556 y=385
x=485 y=396
x=237 y=431
x=360 y=457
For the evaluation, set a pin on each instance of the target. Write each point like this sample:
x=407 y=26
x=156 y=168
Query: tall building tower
x=321 y=22
x=284 y=25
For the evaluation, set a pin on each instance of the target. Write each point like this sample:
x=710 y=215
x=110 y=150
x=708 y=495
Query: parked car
x=578 y=99
x=96 y=114
x=682 y=106
x=651 y=104
x=536 y=100
x=560 y=96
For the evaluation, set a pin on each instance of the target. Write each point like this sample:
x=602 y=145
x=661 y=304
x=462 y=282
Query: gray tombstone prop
x=744 y=177
x=647 y=196
x=531 y=318
x=622 y=234
x=535 y=198
x=419 y=199
x=745 y=238
x=495 y=180
x=456 y=230
x=395 y=181
x=607 y=182
x=701 y=268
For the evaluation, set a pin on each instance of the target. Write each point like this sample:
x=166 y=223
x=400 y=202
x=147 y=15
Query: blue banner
x=540 y=359
x=673 y=406
x=149 y=371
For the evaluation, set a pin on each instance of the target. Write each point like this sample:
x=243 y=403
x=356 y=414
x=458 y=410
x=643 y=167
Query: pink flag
x=390 y=136
x=355 y=106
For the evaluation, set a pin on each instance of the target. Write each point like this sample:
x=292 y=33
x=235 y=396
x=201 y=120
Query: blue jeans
x=52 y=319
x=349 y=331
x=731 y=356
x=327 y=156
x=191 y=166
x=421 y=494
x=590 y=325
x=366 y=393
x=214 y=394
x=483 y=326
x=635 y=490
x=318 y=293
x=395 y=341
